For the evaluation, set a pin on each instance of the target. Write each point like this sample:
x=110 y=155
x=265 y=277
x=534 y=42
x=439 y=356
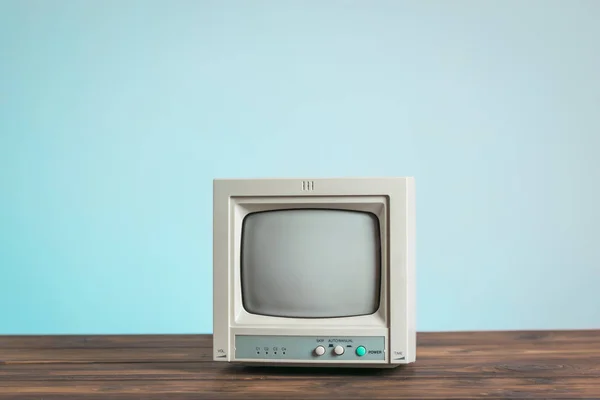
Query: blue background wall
x=116 y=116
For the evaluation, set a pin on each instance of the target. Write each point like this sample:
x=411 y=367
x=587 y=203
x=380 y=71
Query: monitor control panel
x=313 y=348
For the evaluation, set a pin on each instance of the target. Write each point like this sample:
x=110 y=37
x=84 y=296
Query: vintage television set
x=316 y=272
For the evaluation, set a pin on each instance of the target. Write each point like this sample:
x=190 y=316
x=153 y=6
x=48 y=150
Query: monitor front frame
x=243 y=206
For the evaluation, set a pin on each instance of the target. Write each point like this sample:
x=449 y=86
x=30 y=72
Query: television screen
x=310 y=263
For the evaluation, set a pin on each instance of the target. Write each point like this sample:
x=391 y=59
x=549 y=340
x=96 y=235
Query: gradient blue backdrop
x=115 y=116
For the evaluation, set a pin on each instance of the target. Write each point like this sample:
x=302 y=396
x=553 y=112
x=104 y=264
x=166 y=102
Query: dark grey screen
x=310 y=263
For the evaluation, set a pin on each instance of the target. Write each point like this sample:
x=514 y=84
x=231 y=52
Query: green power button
x=361 y=351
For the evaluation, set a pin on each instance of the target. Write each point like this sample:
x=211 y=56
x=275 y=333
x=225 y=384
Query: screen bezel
x=243 y=206
x=379 y=255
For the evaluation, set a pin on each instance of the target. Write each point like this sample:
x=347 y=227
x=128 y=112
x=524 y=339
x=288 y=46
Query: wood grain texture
x=562 y=364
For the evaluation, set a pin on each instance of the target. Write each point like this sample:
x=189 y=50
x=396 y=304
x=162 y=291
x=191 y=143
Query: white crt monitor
x=316 y=272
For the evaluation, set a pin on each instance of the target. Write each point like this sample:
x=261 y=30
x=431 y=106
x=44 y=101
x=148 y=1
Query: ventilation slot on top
x=308 y=186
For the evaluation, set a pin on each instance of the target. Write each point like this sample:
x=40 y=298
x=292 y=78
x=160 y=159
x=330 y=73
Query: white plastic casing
x=392 y=200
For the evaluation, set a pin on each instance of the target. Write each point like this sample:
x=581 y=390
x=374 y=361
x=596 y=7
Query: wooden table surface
x=449 y=365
